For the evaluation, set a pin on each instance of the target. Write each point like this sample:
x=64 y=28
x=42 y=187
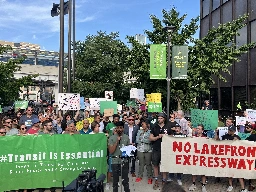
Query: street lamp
x=169 y=30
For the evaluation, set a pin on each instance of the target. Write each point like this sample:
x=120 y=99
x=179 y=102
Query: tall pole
x=168 y=76
x=74 y=41
x=69 y=44
x=61 y=55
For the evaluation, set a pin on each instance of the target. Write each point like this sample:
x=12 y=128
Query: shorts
x=110 y=164
x=156 y=158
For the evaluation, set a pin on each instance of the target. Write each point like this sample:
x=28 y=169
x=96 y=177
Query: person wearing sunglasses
x=23 y=130
x=7 y=122
x=2 y=132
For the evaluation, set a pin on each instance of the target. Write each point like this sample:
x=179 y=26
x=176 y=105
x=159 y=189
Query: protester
x=27 y=118
x=35 y=126
x=115 y=142
x=7 y=122
x=2 y=131
x=144 y=153
x=85 y=129
x=95 y=126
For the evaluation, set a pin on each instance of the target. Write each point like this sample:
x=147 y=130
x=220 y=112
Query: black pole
x=69 y=44
x=168 y=76
x=74 y=40
x=61 y=55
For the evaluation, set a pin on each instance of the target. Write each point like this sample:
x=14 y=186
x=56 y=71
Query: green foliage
x=101 y=61
x=211 y=55
x=9 y=86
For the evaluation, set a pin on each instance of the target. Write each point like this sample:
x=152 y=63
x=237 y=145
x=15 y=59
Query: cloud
x=86 y=19
x=32 y=16
x=34 y=37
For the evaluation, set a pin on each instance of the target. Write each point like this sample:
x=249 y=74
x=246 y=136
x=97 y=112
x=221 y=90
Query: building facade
x=241 y=84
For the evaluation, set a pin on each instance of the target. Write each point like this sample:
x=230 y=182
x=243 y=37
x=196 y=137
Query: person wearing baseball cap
x=160 y=129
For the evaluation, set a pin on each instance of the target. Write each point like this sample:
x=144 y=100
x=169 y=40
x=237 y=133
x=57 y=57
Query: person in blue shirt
x=86 y=129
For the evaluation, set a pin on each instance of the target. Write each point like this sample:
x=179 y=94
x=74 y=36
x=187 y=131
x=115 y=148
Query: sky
x=31 y=21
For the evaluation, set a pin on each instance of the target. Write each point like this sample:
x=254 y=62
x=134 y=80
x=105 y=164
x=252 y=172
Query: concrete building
x=241 y=84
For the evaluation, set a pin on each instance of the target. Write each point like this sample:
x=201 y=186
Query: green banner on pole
x=158 y=61
x=179 y=62
x=44 y=161
x=154 y=107
x=21 y=104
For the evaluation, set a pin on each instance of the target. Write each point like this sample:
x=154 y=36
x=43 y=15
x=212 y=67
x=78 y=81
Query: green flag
x=154 y=107
x=44 y=161
x=158 y=61
x=179 y=62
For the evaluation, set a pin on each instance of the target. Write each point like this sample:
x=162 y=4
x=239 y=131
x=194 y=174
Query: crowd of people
x=129 y=127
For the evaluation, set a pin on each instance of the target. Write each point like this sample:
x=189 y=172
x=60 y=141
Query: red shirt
x=32 y=131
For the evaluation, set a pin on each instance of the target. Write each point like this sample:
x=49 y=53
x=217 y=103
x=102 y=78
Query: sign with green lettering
x=243 y=136
x=179 y=62
x=44 y=161
x=154 y=107
x=157 y=61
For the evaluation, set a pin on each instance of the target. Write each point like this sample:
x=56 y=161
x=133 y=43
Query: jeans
x=116 y=169
x=145 y=159
x=133 y=160
x=171 y=176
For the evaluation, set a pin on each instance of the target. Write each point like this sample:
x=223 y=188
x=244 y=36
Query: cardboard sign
x=108 y=112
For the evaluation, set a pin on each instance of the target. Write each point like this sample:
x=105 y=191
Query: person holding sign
x=232 y=136
x=206 y=105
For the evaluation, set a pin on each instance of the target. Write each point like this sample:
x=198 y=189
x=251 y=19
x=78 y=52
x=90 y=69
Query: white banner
x=251 y=115
x=201 y=156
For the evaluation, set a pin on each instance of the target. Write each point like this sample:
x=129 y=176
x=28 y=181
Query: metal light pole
x=74 y=40
x=69 y=45
x=169 y=30
x=61 y=54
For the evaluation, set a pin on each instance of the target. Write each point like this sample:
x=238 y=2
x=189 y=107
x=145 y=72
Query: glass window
x=253 y=29
x=239 y=96
x=226 y=101
x=215 y=4
x=253 y=93
x=253 y=66
x=216 y=18
x=240 y=71
x=206 y=7
x=242 y=39
x=224 y=1
x=205 y=26
x=252 y=9
x=227 y=12
x=240 y=8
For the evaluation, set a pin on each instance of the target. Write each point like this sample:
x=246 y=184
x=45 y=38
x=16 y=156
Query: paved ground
x=212 y=186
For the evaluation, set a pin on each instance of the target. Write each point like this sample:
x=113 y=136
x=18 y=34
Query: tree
x=101 y=61
x=9 y=86
x=211 y=55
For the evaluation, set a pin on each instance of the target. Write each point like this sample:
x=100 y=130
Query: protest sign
x=130 y=103
x=251 y=115
x=243 y=136
x=240 y=120
x=108 y=112
x=95 y=103
x=222 y=131
x=154 y=107
x=108 y=105
x=209 y=118
x=201 y=156
x=69 y=101
x=47 y=160
x=109 y=95
x=82 y=104
x=137 y=94
x=20 y=105
x=1 y=110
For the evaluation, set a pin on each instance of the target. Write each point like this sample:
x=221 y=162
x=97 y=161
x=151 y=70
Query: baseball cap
x=161 y=115
x=35 y=120
x=248 y=125
x=232 y=128
x=177 y=125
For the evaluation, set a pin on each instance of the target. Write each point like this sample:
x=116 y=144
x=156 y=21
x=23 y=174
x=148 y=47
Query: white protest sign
x=137 y=94
x=240 y=120
x=201 y=156
x=69 y=101
x=222 y=131
x=251 y=115
x=109 y=95
x=95 y=103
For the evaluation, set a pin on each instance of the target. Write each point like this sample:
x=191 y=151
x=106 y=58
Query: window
x=224 y=1
x=252 y=9
x=253 y=29
x=216 y=18
x=214 y=98
x=215 y=4
x=226 y=95
x=242 y=39
x=239 y=96
x=227 y=12
x=240 y=8
x=252 y=94
x=206 y=7
x=240 y=71
x=253 y=66
x=205 y=26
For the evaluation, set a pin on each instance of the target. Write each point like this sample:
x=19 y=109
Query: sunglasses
x=171 y=117
x=130 y=119
x=9 y=122
x=23 y=128
x=2 y=132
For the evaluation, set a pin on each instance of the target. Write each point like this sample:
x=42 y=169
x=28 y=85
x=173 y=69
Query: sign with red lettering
x=201 y=156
